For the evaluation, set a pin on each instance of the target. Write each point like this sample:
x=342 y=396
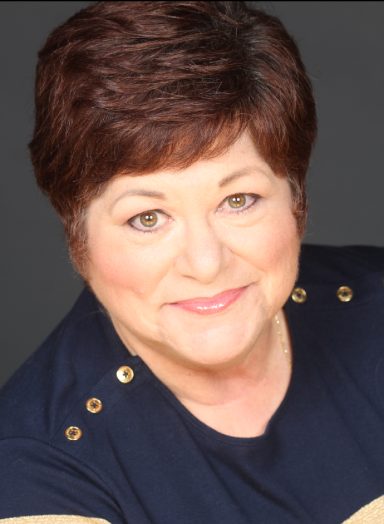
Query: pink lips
x=211 y=305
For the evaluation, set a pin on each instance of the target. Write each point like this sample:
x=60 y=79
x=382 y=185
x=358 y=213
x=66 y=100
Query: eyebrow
x=138 y=192
x=236 y=174
x=141 y=192
x=161 y=196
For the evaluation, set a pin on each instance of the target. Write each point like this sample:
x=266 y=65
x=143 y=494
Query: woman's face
x=193 y=265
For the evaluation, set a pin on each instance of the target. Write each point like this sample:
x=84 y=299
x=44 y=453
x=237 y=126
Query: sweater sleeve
x=39 y=481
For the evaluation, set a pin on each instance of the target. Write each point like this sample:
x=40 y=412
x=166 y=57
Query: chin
x=215 y=348
x=217 y=361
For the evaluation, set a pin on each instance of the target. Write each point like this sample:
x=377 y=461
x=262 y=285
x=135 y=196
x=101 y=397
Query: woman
x=213 y=370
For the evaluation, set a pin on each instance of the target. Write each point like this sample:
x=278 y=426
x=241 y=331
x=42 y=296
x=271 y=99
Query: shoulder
x=332 y=263
x=43 y=410
x=335 y=312
x=325 y=271
x=75 y=357
x=41 y=479
x=332 y=276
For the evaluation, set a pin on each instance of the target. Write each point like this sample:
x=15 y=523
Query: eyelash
x=245 y=208
x=237 y=211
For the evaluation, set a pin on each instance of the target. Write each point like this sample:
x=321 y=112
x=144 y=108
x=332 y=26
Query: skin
x=229 y=366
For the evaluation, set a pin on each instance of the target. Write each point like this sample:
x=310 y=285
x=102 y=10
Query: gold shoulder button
x=299 y=295
x=73 y=433
x=125 y=374
x=94 y=405
x=344 y=294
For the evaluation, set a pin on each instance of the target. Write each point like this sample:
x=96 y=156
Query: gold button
x=94 y=405
x=125 y=374
x=344 y=294
x=73 y=433
x=299 y=295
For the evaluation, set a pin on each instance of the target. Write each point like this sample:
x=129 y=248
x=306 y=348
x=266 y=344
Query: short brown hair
x=135 y=87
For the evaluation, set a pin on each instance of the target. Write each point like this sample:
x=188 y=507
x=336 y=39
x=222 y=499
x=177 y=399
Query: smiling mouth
x=211 y=305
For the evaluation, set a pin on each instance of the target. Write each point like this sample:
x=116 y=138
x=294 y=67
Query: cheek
x=282 y=257
x=273 y=246
x=272 y=251
x=114 y=265
x=283 y=244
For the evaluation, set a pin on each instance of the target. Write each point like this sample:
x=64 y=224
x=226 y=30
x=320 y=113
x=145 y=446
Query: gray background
x=342 y=44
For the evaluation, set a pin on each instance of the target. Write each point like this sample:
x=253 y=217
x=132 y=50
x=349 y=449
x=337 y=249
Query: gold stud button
x=299 y=295
x=125 y=374
x=73 y=433
x=94 y=405
x=344 y=294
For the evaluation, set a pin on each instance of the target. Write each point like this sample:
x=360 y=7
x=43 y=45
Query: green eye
x=148 y=219
x=237 y=201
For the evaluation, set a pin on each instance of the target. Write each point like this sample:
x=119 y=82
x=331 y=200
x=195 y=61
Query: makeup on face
x=211 y=305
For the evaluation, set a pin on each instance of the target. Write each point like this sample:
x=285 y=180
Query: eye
x=239 y=202
x=148 y=221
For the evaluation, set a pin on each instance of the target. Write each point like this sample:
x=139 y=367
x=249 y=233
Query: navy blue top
x=144 y=458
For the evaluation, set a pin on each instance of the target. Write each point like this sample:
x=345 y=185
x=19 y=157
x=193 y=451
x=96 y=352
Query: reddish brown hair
x=134 y=87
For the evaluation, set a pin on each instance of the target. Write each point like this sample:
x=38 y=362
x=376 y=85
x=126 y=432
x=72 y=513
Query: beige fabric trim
x=372 y=513
x=54 y=519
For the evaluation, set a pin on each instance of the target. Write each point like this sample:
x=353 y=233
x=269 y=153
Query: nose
x=203 y=254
